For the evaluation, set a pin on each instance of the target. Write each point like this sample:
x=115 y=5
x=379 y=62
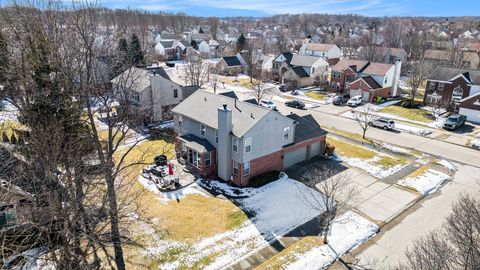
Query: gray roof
x=306 y=128
x=202 y=106
x=446 y=74
x=137 y=79
x=371 y=82
x=230 y=94
x=300 y=72
x=198 y=144
x=189 y=90
x=167 y=44
x=303 y=60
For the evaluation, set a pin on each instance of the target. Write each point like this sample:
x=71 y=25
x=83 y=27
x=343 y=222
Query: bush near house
x=263 y=179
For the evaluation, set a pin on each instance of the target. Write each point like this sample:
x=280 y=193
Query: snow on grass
x=172 y=195
x=227 y=190
x=371 y=165
x=347 y=232
x=396 y=149
x=447 y=165
x=425 y=183
x=275 y=209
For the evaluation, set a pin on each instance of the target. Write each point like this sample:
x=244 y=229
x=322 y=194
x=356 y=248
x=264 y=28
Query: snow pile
x=8 y=112
x=426 y=183
x=475 y=144
x=347 y=232
x=227 y=190
x=447 y=165
x=370 y=166
x=172 y=195
x=277 y=207
x=396 y=149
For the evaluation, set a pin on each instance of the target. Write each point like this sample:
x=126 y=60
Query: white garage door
x=294 y=157
x=315 y=150
x=472 y=115
x=355 y=92
x=366 y=96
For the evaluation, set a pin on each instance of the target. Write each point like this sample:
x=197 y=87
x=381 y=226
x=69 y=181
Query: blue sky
x=223 y=8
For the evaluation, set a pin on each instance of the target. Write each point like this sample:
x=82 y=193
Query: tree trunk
x=364 y=132
x=114 y=223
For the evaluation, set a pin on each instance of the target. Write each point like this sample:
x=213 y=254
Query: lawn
x=315 y=95
x=410 y=114
x=371 y=161
x=245 y=82
x=290 y=254
x=347 y=134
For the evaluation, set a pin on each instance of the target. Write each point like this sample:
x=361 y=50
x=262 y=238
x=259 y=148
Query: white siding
x=472 y=115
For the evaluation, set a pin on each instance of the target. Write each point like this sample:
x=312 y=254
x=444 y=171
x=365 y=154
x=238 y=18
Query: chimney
x=224 y=146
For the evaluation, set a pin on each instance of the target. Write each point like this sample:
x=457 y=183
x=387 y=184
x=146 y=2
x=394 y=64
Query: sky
x=257 y=8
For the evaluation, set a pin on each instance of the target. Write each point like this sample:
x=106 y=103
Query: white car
x=355 y=101
x=268 y=103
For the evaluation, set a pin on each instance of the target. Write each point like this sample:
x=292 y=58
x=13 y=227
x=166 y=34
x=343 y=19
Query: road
x=434 y=147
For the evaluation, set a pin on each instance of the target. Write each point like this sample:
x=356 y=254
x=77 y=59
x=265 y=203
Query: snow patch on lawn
x=226 y=189
x=447 y=165
x=347 y=232
x=396 y=149
x=8 y=112
x=370 y=166
x=172 y=195
x=278 y=208
x=426 y=183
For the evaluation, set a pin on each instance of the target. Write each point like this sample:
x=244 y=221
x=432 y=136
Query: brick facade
x=374 y=93
x=338 y=83
x=446 y=93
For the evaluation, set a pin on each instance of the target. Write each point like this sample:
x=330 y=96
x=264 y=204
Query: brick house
x=458 y=88
x=223 y=137
x=359 y=77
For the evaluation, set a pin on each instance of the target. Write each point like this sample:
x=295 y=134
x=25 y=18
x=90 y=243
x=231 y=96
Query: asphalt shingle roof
x=232 y=61
x=306 y=128
x=446 y=74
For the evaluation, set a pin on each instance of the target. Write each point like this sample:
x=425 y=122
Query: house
x=359 y=77
x=467 y=59
x=236 y=140
x=149 y=92
x=231 y=65
x=457 y=87
x=278 y=61
x=329 y=52
x=204 y=48
x=392 y=55
x=167 y=49
x=303 y=70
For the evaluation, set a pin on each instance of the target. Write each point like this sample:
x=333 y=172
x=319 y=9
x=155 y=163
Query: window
x=430 y=86
x=175 y=93
x=386 y=80
x=235 y=168
x=216 y=136
x=208 y=159
x=203 y=130
x=194 y=158
x=441 y=86
x=180 y=121
x=248 y=145
x=457 y=94
x=246 y=168
x=235 y=145
x=285 y=133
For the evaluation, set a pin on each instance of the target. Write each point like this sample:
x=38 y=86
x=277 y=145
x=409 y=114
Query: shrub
x=263 y=179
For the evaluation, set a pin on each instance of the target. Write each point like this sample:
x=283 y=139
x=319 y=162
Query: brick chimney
x=224 y=146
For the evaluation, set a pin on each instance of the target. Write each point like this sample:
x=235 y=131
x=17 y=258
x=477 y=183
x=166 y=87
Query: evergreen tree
x=136 y=54
x=200 y=31
x=194 y=44
x=121 y=58
x=241 y=43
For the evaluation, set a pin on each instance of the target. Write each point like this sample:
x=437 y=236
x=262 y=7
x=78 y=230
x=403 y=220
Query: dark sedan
x=340 y=99
x=295 y=104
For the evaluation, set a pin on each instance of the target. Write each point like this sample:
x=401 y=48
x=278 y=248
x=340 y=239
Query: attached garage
x=294 y=157
x=472 y=115
x=315 y=149
x=355 y=92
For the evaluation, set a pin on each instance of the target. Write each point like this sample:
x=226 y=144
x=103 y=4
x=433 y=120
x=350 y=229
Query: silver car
x=384 y=123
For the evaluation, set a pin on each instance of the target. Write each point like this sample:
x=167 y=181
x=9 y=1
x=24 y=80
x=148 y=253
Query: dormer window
x=203 y=130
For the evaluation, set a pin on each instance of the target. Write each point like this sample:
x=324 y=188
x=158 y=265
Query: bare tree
x=364 y=116
x=338 y=194
x=419 y=71
x=456 y=245
x=214 y=78
x=370 y=50
x=196 y=70
x=394 y=33
x=261 y=88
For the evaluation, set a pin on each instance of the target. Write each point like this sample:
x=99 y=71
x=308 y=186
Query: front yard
x=315 y=94
x=409 y=114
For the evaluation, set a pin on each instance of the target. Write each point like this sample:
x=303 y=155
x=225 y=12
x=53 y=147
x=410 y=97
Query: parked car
x=295 y=104
x=476 y=144
x=384 y=123
x=355 y=101
x=268 y=103
x=282 y=88
x=454 y=121
x=340 y=99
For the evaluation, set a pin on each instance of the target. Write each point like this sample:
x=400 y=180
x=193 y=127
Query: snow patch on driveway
x=369 y=166
x=426 y=183
x=347 y=232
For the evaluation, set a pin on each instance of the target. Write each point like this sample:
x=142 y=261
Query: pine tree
x=194 y=44
x=121 y=58
x=136 y=54
x=200 y=31
x=241 y=43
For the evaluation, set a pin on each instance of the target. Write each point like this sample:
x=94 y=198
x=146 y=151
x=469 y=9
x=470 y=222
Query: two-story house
x=236 y=140
x=457 y=87
x=149 y=93
x=303 y=70
x=278 y=61
x=371 y=80
x=329 y=52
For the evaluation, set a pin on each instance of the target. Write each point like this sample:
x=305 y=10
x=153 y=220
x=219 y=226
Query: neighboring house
x=457 y=87
x=150 y=93
x=392 y=55
x=231 y=65
x=329 y=52
x=167 y=49
x=359 y=77
x=467 y=59
x=278 y=61
x=236 y=140
x=204 y=48
x=303 y=70
x=265 y=62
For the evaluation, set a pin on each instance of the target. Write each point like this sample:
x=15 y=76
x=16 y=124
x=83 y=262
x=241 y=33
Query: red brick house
x=234 y=140
x=359 y=77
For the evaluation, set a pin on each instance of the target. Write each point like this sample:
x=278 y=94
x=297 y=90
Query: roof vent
x=225 y=107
